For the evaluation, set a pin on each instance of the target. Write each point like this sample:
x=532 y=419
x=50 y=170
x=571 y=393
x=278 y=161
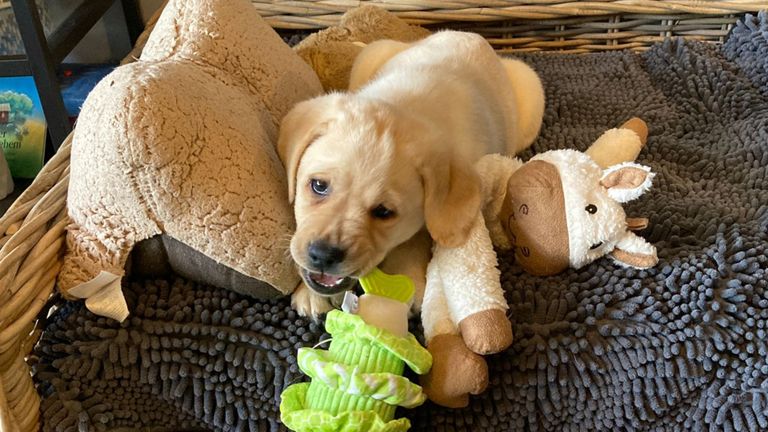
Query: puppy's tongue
x=326 y=279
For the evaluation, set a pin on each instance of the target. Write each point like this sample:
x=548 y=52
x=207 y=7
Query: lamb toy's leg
x=456 y=371
x=473 y=293
x=622 y=144
x=435 y=314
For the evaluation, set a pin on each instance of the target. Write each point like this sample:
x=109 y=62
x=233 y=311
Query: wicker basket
x=34 y=227
x=570 y=26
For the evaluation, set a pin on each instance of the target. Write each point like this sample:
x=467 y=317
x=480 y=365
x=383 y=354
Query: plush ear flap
x=634 y=251
x=303 y=124
x=451 y=199
x=626 y=181
x=637 y=224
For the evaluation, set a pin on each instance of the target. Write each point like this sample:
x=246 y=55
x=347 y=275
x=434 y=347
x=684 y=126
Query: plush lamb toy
x=464 y=317
x=562 y=209
x=537 y=207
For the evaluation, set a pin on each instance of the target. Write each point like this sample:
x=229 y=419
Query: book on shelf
x=22 y=126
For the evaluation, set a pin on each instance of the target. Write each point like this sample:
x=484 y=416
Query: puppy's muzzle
x=324 y=257
x=324 y=260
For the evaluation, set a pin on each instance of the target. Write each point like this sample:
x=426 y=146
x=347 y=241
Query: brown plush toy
x=177 y=151
x=331 y=52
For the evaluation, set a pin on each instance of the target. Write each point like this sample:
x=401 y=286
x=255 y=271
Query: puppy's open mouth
x=326 y=284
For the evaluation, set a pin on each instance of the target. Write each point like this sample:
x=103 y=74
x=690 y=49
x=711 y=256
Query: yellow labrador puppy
x=377 y=173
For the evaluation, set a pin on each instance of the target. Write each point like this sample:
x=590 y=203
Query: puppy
x=378 y=173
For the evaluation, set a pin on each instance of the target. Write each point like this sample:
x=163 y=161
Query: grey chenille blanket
x=682 y=346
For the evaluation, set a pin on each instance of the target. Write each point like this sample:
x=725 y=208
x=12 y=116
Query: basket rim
x=316 y=14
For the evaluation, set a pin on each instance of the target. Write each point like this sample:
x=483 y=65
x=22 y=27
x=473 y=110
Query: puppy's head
x=364 y=178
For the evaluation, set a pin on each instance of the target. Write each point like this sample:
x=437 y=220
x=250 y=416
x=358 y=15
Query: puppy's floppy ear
x=303 y=124
x=451 y=198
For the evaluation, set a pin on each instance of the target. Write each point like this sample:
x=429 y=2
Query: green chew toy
x=396 y=287
x=357 y=384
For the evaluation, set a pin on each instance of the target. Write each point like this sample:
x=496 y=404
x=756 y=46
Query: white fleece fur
x=460 y=282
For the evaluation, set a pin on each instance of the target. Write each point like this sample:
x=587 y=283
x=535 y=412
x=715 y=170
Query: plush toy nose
x=324 y=256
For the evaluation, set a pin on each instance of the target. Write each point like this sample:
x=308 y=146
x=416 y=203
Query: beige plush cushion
x=181 y=143
x=332 y=51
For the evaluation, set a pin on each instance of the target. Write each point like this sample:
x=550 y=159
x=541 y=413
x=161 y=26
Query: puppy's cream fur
x=406 y=136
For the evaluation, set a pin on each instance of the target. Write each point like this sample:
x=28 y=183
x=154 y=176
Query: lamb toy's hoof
x=456 y=372
x=487 y=332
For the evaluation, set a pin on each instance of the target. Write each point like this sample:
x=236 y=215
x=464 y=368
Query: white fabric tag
x=350 y=303
x=104 y=296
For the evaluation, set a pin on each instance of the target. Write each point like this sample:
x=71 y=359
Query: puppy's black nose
x=324 y=256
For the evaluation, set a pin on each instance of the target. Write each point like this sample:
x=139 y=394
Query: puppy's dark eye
x=319 y=187
x=381 y=212
x=591 y=209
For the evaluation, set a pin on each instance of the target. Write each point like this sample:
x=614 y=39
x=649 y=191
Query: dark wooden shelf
x=74 y=27
x=14 y=65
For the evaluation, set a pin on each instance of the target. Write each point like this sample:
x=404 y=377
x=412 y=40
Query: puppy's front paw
x=309 y=304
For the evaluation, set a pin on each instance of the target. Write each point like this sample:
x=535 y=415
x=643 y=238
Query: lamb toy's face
x=595 y=221
x=561 y=210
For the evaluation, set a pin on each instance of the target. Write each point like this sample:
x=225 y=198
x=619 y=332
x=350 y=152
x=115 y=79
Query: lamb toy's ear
x=626 y=181
x=634 y=251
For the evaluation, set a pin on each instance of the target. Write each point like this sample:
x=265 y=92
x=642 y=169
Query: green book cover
x=22 y=126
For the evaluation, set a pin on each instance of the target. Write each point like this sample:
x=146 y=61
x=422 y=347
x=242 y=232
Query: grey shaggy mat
x=678 y=347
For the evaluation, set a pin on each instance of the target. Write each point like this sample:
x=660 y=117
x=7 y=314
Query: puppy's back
x=457 y=80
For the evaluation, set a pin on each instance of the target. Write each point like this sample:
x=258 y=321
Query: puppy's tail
x=529 y=98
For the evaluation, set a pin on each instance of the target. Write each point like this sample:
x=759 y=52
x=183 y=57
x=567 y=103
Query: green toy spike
x=357 y=384
x=395 y=287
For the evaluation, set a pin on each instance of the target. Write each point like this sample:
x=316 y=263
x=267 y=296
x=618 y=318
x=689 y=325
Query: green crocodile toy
x=357 y=384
